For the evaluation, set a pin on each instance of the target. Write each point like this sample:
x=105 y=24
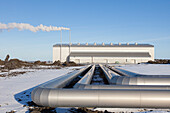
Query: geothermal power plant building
x=103 y=53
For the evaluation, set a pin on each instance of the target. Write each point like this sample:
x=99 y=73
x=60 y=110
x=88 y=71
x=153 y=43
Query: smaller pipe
x=86 y=78
x=109 y=74
x=119 y=72
x=61 y=81
x=139 y=87
x=128 y=80
x=140 y=81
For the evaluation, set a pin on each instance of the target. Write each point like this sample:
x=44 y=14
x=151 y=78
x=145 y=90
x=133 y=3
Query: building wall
x=108 y=60
x=64 y=51
x=65 y=54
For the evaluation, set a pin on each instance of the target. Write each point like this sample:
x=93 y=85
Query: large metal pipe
x=126 y=80
x=102 y=98
x=140 y=81
x=124 y=72
x=58 y=82
x=61 y=81
x=53 y=95
x=86 y=78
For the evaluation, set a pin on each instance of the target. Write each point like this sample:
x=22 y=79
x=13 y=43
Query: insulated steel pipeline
x=62 y=81
x=119 y=72
x=140 y=81
x=53 y=97
x=52 y=94
x=58 y=82
x=115 y=79
x=138 y=87
x=86 y=78
x=124 y=72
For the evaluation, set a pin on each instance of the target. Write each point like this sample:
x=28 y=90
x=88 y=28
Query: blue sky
x=142 y=21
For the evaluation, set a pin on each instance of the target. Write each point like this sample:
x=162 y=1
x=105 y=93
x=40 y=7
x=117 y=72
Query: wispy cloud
x=25 y=26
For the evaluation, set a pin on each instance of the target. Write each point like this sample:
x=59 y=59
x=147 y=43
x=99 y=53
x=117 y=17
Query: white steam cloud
x=25 y=26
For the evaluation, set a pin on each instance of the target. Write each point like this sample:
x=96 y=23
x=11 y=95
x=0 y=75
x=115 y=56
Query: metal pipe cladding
x=102 y=98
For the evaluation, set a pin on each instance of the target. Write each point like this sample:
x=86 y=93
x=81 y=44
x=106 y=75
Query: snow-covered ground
x=15 y=91
x=148 y=69
x=15 y=87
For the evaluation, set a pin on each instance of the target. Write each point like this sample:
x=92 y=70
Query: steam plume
x=25 y=26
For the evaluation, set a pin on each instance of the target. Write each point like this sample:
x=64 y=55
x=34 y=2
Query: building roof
x=110 y=54
x=105 y=45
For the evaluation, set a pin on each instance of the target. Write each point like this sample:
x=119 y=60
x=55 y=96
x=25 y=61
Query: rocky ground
x=7 y=65
x=160 y=61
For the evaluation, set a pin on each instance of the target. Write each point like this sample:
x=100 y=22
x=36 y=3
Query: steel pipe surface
x=102 y=98
x=139 y=87
x=86 y=78
x=120 y=72
x=129 y=80
x=61 y=81
x=121 y=95
x=108 y=73
x=139 y=81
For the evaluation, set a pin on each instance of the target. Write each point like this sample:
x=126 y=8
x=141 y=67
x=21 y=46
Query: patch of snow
x=15 y=91
x=148 y=69
x=18 y=86
x=75 y=67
